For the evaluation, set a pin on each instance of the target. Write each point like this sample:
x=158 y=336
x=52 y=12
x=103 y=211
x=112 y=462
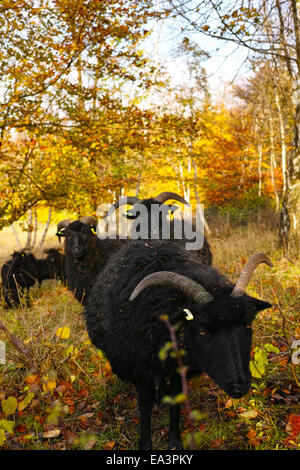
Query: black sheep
x=56 y=262
x=154 y=228
x=85 y=255
x=18 y=274
x=148 y=279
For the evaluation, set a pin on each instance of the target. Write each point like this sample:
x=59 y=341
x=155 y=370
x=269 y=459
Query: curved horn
x=165 y=196
x=88 y=220
x=122 y=202
x=247 y=272
x=63 y=224
x=182 y=283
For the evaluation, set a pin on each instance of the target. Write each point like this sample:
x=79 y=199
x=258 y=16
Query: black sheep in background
x=155 y=230
x=18 y=274
x=148 y=279
x=56 y=262
x=24 y=269
x=85 y=254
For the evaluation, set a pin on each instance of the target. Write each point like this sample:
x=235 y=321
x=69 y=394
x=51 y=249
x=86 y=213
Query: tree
x=264 y=28
x=58 y=60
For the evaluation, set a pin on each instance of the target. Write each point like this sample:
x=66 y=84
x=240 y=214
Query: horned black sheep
x=85 y=254
x=148 y=279
x=154 y=227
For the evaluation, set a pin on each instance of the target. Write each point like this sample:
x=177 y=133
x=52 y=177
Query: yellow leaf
x=49 y=384
x=63 y=332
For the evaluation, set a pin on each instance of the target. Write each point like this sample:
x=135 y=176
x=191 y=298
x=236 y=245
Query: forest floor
x=63 y=395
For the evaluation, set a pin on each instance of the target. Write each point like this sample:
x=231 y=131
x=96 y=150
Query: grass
x=75 y=402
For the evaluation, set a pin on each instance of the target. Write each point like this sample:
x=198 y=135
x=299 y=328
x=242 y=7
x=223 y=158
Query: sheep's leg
x=174 y=433
x=7 y=298
x=15 y=297
x=146 y=396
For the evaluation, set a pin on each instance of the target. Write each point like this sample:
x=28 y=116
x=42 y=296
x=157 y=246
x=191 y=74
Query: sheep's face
x=78 y=239
x=21 y=259
x=223 y=337
x=53 y=256
x=152 y=215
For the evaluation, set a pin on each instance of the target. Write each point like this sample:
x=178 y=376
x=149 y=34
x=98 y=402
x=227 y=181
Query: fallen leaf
x=27 y=400
x=49 y=384
x=253 y=440
x=31 y=379
x=63 y=332
x=249 y=414
x=87 y=415
x=9 y=406
x=21 y=428
x=109 y=445
x=51 y=434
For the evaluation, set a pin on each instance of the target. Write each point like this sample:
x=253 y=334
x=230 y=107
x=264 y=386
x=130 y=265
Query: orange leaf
x=109 y=445
x=293 y=428
x=31 y=379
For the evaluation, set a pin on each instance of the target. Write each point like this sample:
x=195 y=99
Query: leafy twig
x=182 y=372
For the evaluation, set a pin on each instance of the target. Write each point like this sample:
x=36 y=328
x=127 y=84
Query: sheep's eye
x=202 y=332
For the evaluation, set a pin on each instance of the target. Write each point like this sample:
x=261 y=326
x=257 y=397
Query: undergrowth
x=62 y=393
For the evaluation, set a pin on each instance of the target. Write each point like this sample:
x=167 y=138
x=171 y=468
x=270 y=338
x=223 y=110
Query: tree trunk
x=290 y=213
x=282 y=139
x=46 y=228
x=29 y=230
x=206 y=226
x=273 y=161
x=16 y=237
x=35 y=227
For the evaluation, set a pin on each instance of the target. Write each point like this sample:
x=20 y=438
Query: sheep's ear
x=60 y=233
x=188 y=314
x=261 y=305
x=183 y=315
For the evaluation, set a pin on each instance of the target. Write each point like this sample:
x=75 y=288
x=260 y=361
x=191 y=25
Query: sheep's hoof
x=175 y=443
x=145 y=445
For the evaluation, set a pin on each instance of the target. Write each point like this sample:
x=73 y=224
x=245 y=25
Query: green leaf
x=257 y=367
x=2 y=437
x=9 y=406
x=271 y=348
x=180 y=398
x=163 y=353
x=23 y=404
x=6 y=425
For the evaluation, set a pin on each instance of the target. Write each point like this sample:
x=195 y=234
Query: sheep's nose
x=77 y=250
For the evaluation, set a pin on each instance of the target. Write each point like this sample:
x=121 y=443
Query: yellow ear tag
x=189 y=315
x=93 y=231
